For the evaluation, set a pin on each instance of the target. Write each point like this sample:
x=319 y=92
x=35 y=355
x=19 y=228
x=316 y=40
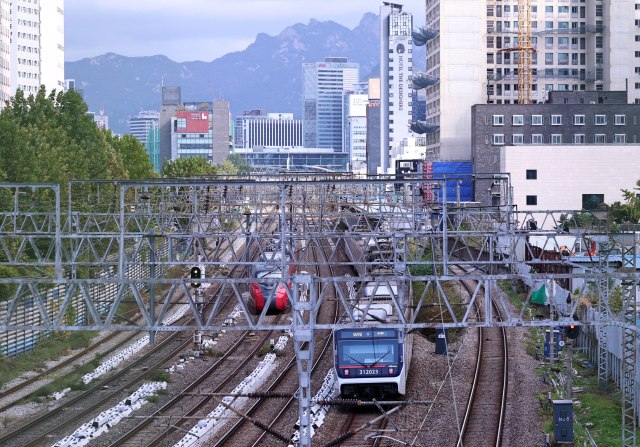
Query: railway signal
x=572 y=330
x=196 y=273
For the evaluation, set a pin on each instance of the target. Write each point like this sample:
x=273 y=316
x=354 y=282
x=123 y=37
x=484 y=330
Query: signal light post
x=196 y=274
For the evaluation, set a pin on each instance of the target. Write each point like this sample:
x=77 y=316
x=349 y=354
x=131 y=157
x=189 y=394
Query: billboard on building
x=193 y=122
x=358 y=105
x=374 y=88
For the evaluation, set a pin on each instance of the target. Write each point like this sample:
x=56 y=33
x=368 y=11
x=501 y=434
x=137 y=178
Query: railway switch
x=563 y=420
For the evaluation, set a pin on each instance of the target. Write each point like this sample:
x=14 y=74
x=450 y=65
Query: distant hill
x=266 y=75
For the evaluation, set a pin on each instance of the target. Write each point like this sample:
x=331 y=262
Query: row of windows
x=24 y=74
x=589 y=201
x=534 y=25
x=499 y=140
x=27 y=23
x=27 y=62
x=27 y=10
x=27 y=49
x=556 y=120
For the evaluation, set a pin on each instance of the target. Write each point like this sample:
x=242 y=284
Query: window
x=637 y=85
x=532 y=200
x=637 y=22
x=537 y=139
x=563 y=9
x=578 y=139
x=637 y=38
x=600 y=120
x=620 y=138
x=563 y=25
x=182 y=124
x=517 y=120
x=600 y=139
x=599 y=42
x=548 y=25
x=517 y=139
x=548 y=9
x=556 y=120
x=598 y=10
x=532 y=174
x=578 y=120
x=498 y=120
x=556 y=139
x=637 y=5
x=591 y=201
x=548 y=87
x=621 y=120
x=537 y=120
x=498 y=139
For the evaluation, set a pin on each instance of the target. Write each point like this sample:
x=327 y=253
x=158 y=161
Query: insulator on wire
x=340 y=439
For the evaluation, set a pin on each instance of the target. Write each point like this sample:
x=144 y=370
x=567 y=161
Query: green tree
x=131 y=154
x=240 y=163
x=227 y=168
x=188 y=167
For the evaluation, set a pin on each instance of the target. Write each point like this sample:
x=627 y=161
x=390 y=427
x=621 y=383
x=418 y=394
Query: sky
x=188 y=30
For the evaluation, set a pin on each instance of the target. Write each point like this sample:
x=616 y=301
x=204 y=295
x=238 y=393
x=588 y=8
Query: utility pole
x=569 y=377
x=552 y=343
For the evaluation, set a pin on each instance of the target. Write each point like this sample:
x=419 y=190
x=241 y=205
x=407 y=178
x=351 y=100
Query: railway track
x=63 y=364
x=279 y=384
x=483 y=421
x=47 y=427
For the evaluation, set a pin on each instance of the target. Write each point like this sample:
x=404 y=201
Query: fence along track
x=225 y=439
x=483 y=420
x=66 y=420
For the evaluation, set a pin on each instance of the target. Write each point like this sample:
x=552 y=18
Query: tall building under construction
x=579 y=45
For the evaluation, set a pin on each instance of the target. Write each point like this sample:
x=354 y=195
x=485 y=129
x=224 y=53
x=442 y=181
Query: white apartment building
x=37 y=45
x=323 y=86
x=581 y=45
x=5 y=51
x=396 y=68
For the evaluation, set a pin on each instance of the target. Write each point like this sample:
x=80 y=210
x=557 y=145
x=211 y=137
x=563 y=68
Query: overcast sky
x=187 y=30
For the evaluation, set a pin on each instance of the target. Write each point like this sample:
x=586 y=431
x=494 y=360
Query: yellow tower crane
x=525 y=52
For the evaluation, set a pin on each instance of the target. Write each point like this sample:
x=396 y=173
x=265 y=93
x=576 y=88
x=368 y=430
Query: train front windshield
x=367 y=352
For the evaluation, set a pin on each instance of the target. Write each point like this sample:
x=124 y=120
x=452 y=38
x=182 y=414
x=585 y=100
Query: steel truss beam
x=109 y=230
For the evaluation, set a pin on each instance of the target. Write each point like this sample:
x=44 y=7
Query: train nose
x=369 y=393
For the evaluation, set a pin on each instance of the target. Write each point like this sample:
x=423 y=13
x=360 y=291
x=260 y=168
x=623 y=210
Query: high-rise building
x=355 y=124
x=396 y=69
x=5 y=51
x=139 y=125
x=152 y=143
x=196 y=129
x=323 y=85
x=273 y=130
x=101 y=120
x=37 y=45
x=586 y=45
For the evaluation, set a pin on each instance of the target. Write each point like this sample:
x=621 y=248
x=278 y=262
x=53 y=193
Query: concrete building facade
x=271 y=130
x=590 y=45
x=587 y=125
x=374 y=144
x=323 y=85
x=139 y=124
x=354 y=133
x=396 y=69
x=5 y=51
x=37 y=45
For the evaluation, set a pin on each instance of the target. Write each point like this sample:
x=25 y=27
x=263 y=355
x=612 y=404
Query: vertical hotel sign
x=425 y=169
x=400 y=50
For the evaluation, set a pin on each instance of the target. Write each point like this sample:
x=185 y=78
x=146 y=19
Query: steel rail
x=505 y=376
x=275 y=383
x=315 y=365
x=102 y=383
x=67 y=362
x=131 y=433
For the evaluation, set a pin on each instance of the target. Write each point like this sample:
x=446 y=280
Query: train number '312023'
x=368 y=372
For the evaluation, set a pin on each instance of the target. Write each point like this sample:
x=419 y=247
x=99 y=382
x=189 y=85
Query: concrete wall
x=221 y=125
x=566 y=172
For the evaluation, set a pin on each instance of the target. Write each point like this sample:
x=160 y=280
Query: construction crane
x=212 y=92
x=525 y=52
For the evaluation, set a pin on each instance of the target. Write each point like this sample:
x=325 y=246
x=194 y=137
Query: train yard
x=304 y=313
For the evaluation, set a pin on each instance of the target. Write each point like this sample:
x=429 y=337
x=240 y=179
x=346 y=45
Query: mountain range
x=266 y=75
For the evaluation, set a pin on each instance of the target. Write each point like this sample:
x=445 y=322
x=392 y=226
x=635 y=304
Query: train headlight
x=390 y=370
x=346 y=372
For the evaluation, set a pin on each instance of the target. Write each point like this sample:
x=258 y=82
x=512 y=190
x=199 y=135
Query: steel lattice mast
x=525 y=51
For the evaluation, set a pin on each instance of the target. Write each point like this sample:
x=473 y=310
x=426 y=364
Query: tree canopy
x=188 y=167
x=51 y=139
